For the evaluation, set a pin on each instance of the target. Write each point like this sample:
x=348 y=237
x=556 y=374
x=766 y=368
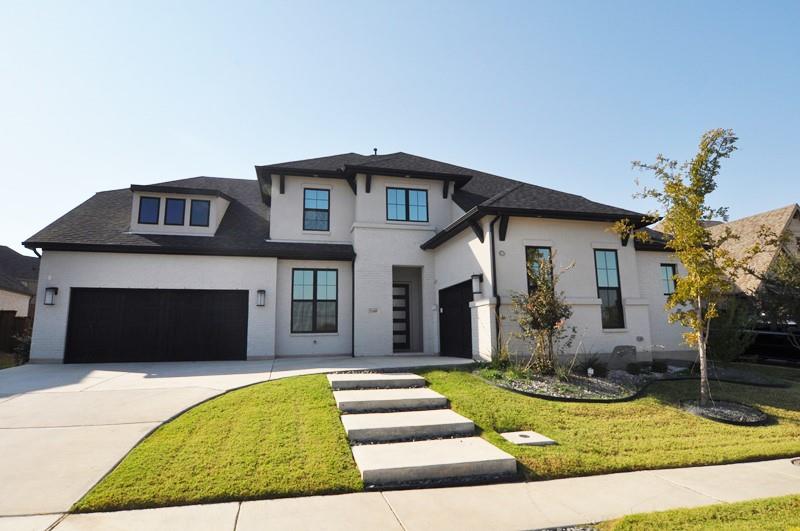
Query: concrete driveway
x=62 y=427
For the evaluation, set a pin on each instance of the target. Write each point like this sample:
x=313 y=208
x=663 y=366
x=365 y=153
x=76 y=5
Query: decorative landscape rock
x=727 y=412
x=527 y=438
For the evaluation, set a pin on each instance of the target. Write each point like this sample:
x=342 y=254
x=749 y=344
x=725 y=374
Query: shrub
x=593 y=362
x=633 y=368
x=730 y=334
x=659 y=366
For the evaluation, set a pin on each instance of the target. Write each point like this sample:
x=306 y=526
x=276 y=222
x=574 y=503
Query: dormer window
x=174 y=212
x=316 y=209
x=199 y=213
x=148 y=210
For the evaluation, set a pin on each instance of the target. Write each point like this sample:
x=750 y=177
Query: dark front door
x=124 y=325
x=455 y=320
x=401 y=339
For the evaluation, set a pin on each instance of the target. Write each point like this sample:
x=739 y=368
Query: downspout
x=353 y=307
x=495 y=296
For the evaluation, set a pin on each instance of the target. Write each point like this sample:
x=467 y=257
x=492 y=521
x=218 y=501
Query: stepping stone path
x=404 y=434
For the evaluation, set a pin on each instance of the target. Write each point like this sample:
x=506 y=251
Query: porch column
x=484 y=332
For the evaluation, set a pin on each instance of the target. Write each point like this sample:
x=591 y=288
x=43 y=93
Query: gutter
x=353 y=307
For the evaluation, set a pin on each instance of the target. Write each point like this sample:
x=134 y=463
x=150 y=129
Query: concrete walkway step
x=375 y=381
x=441 y=459
x=359 y=401
x=406 y=425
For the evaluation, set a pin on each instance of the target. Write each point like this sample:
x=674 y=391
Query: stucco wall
x=67 y=270
x=573 y=242
x=17 y=302
x=286 y=211
x=312 y=344
x=665 y=337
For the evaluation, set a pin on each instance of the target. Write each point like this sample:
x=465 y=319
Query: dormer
x=177 y=211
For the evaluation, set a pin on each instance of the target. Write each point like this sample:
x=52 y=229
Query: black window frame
x=621 y=324
x=326 y=210
x=531 y=286
x=314 y=301
x=407 y=205
x=158 y=210
x=166 y=210
x=674 y=269
x=208 y=213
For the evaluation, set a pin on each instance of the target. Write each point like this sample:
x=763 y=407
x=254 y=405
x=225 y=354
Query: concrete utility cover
x=528 y=438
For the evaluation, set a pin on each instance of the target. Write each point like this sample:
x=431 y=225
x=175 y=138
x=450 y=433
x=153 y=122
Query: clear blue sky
x=99 y=95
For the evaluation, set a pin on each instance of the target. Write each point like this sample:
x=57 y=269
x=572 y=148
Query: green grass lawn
x=776 y=514
x=284 y=438
x=270 y=440
x=647 y=433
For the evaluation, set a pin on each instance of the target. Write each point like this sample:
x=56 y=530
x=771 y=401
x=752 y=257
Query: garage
x=135 y=325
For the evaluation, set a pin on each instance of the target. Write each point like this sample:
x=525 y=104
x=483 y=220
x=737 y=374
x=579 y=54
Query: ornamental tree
x=684 y=209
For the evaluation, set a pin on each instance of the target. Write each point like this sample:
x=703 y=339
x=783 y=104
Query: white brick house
x=343 y=255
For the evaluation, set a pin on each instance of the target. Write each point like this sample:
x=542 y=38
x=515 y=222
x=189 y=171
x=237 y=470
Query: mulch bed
x=727 y=412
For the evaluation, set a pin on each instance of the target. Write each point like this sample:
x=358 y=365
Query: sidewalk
x=531 y=505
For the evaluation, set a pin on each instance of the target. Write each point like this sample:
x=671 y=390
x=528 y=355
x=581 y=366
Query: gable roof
x=9 y=283
x=102 y=223
x=748 y=231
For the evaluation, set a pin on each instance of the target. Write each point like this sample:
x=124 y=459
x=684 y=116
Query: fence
x=11 y=326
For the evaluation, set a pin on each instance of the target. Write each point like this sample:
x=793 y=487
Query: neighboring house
x=18 y=278
x=783 y=221
x=341 y=255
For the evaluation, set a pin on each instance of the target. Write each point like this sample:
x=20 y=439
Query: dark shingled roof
x=9 y=283
x=18 y=266
x=102 y=223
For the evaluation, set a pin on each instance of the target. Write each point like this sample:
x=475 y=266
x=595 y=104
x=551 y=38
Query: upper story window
x=668 y=272
x=608 y=288
x=314 y=300
x=316 y=209
x=406 y=204
x=534 y=256
x=199 y=214
x=148 y=210
x=174 y=211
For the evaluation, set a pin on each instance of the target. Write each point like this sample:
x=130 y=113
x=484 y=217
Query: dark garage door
x=121 y=325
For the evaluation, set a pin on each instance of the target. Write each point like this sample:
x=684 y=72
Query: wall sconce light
x=50 y=296
x=261 y=297
x=476 y=284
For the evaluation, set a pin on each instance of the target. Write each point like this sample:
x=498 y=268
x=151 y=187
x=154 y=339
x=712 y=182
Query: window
x=316 y=209
x=148 y=210
x=406 y=204
x=173 y=212
x=668 y=272
x=198 y=216
x=608 y=288
x=314 y=300
x=533 y=257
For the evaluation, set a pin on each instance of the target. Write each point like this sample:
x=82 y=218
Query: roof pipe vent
x=374 y=151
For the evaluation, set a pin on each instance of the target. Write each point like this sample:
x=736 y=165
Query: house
x=18 y=277
x=783 y=221
x=341 y=255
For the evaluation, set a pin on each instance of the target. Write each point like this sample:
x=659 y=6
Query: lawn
x=270 y=440
x=768 y=514
x=646 y=433
x=284 y=438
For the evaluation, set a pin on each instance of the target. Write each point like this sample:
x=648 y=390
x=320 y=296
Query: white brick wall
x=67 y=270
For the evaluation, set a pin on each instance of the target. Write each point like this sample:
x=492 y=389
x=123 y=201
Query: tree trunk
x=701 y=351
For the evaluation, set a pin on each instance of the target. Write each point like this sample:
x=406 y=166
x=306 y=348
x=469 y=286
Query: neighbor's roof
x=9 y=283
x=748 y=231
x=18 y=265
x=102 y=223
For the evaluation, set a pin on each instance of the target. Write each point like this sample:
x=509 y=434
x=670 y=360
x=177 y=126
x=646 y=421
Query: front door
x=400 y=321
x=455 y=320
